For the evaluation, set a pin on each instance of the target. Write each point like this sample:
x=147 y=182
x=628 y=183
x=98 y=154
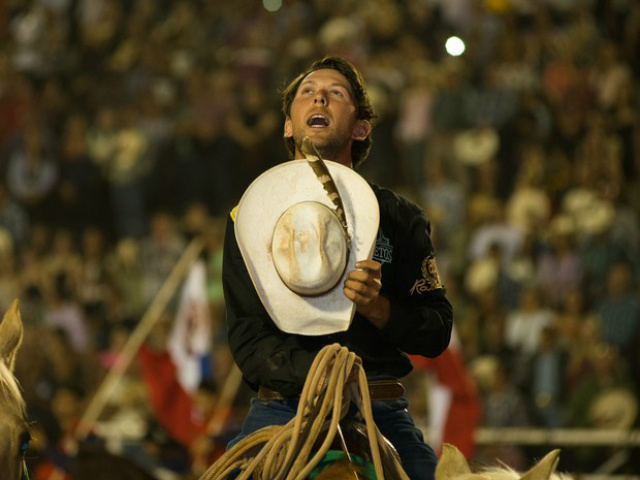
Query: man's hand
x=362 y=287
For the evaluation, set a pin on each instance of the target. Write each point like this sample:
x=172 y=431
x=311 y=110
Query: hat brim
x=262 y=204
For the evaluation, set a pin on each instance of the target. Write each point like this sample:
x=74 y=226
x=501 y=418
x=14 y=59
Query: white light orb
x=272 y=5
x=455 y=46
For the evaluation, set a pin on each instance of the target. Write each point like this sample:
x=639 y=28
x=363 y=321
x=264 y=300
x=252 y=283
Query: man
x=399 y=301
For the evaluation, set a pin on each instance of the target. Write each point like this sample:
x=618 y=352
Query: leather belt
x=378 y=390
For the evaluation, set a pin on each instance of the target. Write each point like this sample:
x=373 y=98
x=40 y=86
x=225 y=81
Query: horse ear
x=451 y=464
x=544 y=468
x=10 y=335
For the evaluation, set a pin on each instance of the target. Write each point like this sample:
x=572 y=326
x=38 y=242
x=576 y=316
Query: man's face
x=324 y=110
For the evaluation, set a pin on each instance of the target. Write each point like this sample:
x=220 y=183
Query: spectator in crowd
x=558 y=267
x=63 y=260
x=598 y=249
x=160 y=249
x=125 y=271
x=523 y=328
x=528 y=207
x=570 y=316
x=452 y=101
x=587 y=406
x=444 y=199
x=64 y=312
x=546 y=374
x=13 y=217
x=252 y=128
x=93 y=283
x=35 y=284
x=202 y=142
x=503 y=405
x=525 y=324
x=414 y=127
x=80 y=186
x=519 y=272
x=619 y=308
x=492 y=104
x=32 y=173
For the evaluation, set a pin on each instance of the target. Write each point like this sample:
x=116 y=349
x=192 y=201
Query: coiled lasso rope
x=285 y=452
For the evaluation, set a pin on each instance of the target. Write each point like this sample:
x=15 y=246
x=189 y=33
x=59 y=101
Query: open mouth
x=318 y=121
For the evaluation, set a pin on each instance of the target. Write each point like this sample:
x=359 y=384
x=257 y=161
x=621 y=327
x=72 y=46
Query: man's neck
x=343 y=161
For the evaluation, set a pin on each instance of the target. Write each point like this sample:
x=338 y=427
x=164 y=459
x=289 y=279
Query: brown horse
x=14 y=430
x=453 y=466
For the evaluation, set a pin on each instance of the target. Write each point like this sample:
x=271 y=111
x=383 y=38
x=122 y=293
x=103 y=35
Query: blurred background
x=129 y=128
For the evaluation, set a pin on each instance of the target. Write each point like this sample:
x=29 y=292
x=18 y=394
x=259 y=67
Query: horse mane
x=10 y=393
x=504 y=473
x=452 y=465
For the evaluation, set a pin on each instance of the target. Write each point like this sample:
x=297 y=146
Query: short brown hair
x=364 y=109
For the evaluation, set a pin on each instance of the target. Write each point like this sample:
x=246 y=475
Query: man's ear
x=288 y=128
x=361 y=130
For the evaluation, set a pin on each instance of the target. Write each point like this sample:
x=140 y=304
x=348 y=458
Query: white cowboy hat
x=476 y=146
x=616 y=408
x=296 y=249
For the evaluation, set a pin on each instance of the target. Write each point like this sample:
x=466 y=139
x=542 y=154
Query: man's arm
x=409 y=307
x=265 y=355
x=421 y=327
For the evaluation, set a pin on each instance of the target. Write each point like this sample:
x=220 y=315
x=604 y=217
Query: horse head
x=14 y=430
x=453 y=466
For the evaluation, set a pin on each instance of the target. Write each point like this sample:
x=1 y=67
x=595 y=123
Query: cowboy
x=304 y=268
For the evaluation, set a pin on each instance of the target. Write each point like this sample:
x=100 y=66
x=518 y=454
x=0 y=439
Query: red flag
x=172 y=375
x=454 y=403
x=170 y=403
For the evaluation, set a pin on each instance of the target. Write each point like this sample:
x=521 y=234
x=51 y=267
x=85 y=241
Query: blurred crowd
x=127 y=127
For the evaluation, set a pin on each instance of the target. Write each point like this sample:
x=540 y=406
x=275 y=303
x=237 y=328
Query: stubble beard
x=328 y=146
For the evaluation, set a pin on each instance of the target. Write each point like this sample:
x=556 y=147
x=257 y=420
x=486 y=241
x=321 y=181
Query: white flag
x=190 y=341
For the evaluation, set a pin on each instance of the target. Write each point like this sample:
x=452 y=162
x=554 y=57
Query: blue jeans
x=391 y=417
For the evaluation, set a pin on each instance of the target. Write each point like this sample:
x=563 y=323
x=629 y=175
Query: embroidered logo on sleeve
x=430 y=277
x=383 y=252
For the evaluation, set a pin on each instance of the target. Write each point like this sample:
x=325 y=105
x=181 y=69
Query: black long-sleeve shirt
x=420 y=320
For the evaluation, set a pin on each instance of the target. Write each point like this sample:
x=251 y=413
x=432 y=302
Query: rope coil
x=285 y=452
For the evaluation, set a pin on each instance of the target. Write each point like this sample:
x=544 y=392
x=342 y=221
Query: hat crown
x=309 y=248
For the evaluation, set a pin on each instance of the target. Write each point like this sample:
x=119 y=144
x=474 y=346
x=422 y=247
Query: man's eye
x=336 y=93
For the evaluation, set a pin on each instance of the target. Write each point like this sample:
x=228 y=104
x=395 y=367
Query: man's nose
x=320 y=99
